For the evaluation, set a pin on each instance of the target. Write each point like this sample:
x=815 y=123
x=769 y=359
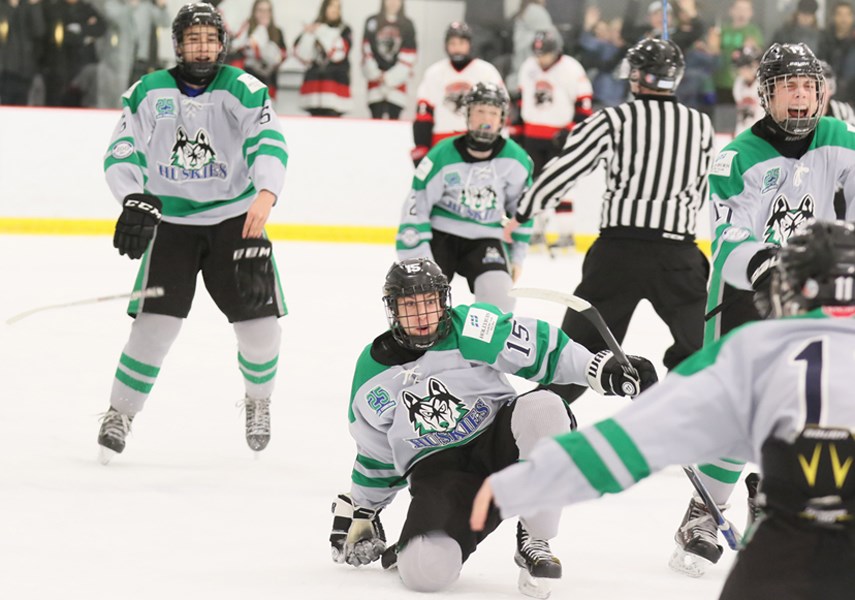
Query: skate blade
x=105 y=455
x=688 y=564
x=534 y=587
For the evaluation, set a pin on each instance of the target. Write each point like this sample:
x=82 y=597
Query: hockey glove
x=607 y=376
x=136 y=225
x=759 y=273
x=357 y=536
x=254 y=271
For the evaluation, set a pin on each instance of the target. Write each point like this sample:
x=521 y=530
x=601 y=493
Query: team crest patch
x=723 y=163
x=440 y=418
x=735 y=235
x=480 y=324
x=424 y=168
x=784 y=221
x=771 y=179
x=192 y=159
x=409 y=237
x=493 y=256
x=164 y=108
x=452 y=178
x=122 y=149
x=379 y=400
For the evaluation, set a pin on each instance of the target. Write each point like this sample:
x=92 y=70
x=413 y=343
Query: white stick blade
x=569 y=300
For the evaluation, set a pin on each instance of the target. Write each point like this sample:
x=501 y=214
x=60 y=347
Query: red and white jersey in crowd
x=441 y=92
x=553 y=99
x=748 y=109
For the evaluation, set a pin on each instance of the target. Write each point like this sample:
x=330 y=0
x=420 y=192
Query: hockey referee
x=657 y=153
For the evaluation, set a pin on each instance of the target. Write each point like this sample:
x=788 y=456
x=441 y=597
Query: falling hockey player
x=431 y=407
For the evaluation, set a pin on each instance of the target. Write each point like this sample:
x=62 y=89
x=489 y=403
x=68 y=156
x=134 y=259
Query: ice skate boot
x=257 y=422
x=697 y=541
x=111 y=438
x=538 y=566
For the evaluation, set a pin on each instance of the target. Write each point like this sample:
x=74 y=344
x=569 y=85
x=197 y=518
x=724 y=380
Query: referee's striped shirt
x=843 y=111
x=657 y=154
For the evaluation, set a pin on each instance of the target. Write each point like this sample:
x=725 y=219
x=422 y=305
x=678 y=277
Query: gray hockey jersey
x=767 y=379
x=205 y=157
x=448 y=396
x=759 y=198
x=464 y=198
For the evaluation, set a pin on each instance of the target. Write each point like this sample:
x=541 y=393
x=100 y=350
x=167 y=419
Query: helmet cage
x=794 y=125
x=419 y=342
x=489 y=95
x=199 y=13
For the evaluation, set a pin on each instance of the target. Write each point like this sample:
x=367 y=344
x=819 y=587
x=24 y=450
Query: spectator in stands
x=601 y=52
x=696 y=89
x=388 y=56
x=837 y=47
x=746 y=94
x=491 y=37
x=22 y=27
x=736 y=35
x=684 y=25
x=73 y=28
x=324 y=47
x=802 y=27
x=531 y=17
x=127 y=51
x=258 y=47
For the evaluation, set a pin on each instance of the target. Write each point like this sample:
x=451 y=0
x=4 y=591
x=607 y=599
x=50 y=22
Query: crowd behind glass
x=85 y=53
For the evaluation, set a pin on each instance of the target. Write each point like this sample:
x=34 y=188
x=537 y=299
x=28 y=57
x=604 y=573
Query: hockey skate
x=538 y=566
x=697 y=541
x=563 y=244
x=257 y=422
x=111 y=438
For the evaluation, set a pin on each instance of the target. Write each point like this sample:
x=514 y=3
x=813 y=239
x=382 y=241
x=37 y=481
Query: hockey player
x=777 y=393
x=763 y=185
x=197 y=161
x=461 y=192
x=555 y=95
x=835 y=108
x=440 y=112
x=431 y=407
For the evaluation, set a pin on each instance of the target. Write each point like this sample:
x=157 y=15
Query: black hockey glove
x=607 y=376
x=357 y=536
x=759 y=273
x=136 y=225
x=254 y=271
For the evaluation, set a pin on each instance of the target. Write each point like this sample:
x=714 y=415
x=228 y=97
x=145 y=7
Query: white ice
x=188 y=512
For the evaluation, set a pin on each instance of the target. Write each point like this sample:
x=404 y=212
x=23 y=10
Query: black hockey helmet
x=198 y=13
x=779 y=62
x=458 y=29
x=659 y=63
x=546 y=42
x=492 y=95
x=830 y=79
x=412 y=277
x=816 y=268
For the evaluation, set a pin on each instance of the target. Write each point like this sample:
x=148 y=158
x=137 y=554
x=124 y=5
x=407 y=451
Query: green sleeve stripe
x=251 y=366
x=625 y=448
x=139 y=367
x=719 y=474
x=589 y=462
x=541 y=353
x=268 y=134
x=403 y=246
x=256 y=378
x=175 y=206
x=740 y=463
x=420 y=227
x=134 y=384
x=376 y=482
x=376 y=465
x=268 y=150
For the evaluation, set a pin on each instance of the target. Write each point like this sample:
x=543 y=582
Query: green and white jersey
x=759 y=198
x=765 y=380
x=205 y=157
x=468 y=198
x=449 y=395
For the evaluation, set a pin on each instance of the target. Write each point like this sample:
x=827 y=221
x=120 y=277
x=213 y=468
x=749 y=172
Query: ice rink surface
x=187 y=511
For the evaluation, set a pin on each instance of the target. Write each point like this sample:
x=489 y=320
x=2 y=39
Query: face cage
x=200 y=70
x=419 y=342
x=798 y=125
x=483 y=139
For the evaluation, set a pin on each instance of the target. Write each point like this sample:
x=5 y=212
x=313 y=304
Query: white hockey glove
x=607 y=376
x=357 y=536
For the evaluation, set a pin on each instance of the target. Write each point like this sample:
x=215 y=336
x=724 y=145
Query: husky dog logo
x=479 y=198
x=784 y=221
x=439 y=411
x=192 y=154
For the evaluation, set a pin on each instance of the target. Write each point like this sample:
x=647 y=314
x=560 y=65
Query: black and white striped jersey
x=657 y=154
x=843 y=111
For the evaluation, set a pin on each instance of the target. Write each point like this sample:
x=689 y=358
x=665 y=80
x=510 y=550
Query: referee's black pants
x=618 y=273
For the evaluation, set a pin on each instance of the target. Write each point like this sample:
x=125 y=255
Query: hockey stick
x=152 y=292
x=665 y=19
x=585 y=308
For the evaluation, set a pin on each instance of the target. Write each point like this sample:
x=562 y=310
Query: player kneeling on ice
x=777 y=393
x=431 y=408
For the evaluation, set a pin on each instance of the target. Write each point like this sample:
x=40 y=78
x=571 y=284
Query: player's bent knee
x=430 y=563
x=492 y=287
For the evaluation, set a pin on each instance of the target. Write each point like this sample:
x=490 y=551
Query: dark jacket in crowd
x=682 y=34
x=21 y=32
